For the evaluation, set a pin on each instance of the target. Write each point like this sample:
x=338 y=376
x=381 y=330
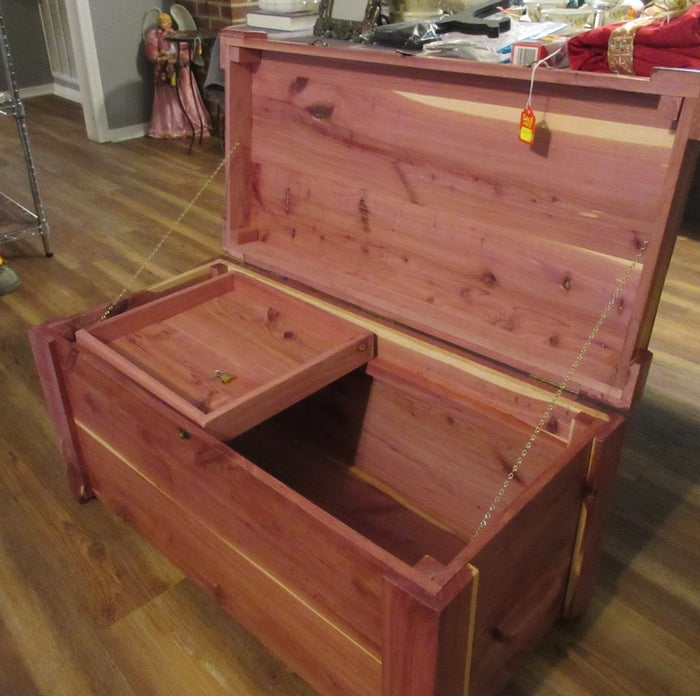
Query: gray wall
x=27 y=46
x=126 y=74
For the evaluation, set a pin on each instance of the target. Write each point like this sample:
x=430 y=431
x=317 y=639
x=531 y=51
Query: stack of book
x=284 y=15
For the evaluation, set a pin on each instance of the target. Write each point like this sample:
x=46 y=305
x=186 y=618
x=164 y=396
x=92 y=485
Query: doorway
x=54 y=20
x=72 y=47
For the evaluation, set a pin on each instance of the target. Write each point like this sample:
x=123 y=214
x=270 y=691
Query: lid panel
x=406 y=191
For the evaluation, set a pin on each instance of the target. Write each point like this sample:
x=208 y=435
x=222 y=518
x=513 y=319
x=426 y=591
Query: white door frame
x=87 y=66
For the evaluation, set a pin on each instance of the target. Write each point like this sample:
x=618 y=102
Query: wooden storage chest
x=345 y=429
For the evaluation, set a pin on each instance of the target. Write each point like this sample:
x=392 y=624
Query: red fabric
x=673 y=44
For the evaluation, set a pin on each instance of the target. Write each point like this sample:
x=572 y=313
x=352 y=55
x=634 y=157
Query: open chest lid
x=398 y=184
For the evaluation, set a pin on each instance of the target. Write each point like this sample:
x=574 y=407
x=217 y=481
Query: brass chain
x=557 y=395
x=165 y=237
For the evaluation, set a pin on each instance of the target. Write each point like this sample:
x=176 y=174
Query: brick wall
x=216 y=14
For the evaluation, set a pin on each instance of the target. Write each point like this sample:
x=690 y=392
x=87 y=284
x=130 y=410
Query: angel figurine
x=178 y=109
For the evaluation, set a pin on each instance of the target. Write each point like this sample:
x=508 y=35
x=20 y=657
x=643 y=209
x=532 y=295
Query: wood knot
x=298 y=85
x=272 y=314
x=489 y=279
x=321 y=112
x=288 y=335
x=96 y=550
x=364 y=214
x=566 y=283
x=219 y=594
x=554 y=340
x=552 y=425
x=108 y=611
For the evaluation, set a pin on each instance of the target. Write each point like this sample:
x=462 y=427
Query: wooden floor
x=87 y=608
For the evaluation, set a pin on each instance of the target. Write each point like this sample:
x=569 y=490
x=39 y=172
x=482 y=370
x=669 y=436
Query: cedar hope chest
x=318 y=427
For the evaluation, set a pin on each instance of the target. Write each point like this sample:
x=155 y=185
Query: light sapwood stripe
x=576 y=125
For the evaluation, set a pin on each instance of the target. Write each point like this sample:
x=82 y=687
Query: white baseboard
x=70 y=93
x=138 y=130
x=128 y=133
x=36 y=91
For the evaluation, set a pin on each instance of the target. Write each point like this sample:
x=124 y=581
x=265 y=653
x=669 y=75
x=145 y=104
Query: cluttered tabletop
x=626 y=37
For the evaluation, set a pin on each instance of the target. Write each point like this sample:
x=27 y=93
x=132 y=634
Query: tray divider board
x=278 y=394
x=160 y=309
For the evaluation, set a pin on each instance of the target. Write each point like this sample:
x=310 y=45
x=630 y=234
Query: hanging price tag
x=527 y=125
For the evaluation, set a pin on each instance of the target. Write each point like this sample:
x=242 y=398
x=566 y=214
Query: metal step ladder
x=11 y=105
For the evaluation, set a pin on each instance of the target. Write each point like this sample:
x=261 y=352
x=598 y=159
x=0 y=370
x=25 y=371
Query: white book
x=282 y=21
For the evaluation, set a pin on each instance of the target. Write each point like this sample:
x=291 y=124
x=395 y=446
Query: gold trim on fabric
x=621 y=41
x=621 y=48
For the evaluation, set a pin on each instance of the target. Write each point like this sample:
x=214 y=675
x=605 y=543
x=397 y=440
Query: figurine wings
x=180 y=14
x=149 y=21
x=183 y=18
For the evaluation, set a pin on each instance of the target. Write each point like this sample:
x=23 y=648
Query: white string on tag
x=528 y=121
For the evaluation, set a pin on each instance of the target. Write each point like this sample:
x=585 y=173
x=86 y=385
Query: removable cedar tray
x=231 y=352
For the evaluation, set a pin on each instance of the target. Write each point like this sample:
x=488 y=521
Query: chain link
x=557 y=395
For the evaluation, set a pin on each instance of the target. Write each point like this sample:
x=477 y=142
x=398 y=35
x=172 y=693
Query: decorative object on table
x=348 y=19
x=665 y=35
x=178 y=108
x=282 y=21
x=600 y=9
x=483 y=18
x=423 y=10
x=284 y=15
x=534 y=8
x=288 y=6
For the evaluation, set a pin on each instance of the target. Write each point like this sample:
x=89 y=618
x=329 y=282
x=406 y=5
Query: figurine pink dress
x=178 y=108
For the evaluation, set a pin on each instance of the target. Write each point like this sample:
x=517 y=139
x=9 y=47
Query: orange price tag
x=527 y=125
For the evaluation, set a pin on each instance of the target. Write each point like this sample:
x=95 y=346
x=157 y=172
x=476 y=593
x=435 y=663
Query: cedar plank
x=589 y=198
x=263 y=603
